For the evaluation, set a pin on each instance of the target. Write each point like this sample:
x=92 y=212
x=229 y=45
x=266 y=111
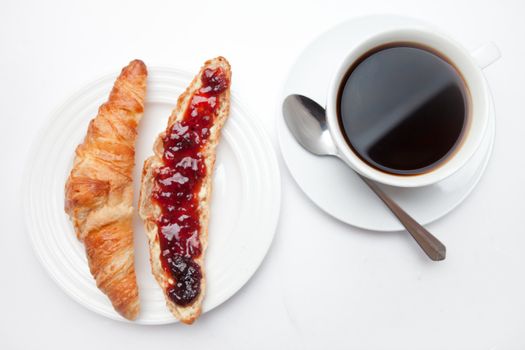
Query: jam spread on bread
x=177 y=187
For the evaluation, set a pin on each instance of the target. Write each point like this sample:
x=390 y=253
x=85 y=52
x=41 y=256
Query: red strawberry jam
x=177 y=187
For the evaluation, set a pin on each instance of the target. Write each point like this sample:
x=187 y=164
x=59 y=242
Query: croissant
x=176 y=189
x=99 y=190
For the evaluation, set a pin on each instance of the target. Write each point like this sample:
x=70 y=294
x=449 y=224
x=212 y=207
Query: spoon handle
x=430 y=244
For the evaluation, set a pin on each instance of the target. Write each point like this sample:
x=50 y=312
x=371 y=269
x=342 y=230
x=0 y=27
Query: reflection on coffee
x=403 y=109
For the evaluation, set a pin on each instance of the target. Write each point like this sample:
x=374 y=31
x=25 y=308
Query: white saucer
x=245 y=205
x=331 y=184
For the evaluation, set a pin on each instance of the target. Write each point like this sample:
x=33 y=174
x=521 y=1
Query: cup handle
x=486 y=54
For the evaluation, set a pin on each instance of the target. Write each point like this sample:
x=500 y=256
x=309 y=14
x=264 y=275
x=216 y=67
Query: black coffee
x=403 y=109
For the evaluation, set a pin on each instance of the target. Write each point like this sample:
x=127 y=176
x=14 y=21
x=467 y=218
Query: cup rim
x=475 y=84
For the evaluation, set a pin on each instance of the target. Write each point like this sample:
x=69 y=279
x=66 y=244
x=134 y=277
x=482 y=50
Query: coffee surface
x=403 y=109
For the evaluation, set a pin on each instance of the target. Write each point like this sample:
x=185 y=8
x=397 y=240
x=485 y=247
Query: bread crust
x=149 y=211
x=99 y=190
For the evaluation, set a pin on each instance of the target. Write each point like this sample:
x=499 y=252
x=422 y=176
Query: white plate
x=332 y=185
x=244 y=213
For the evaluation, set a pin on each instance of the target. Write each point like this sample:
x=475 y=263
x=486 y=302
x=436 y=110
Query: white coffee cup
x=469 y=65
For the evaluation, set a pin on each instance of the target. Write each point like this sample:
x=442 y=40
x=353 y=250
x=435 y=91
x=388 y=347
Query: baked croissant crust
x=99 y=190
x=175 y=193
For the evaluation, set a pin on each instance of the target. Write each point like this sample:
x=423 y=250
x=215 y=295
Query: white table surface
x=323 y=284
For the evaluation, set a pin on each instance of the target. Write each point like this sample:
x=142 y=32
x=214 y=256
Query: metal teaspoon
x=306 y=120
